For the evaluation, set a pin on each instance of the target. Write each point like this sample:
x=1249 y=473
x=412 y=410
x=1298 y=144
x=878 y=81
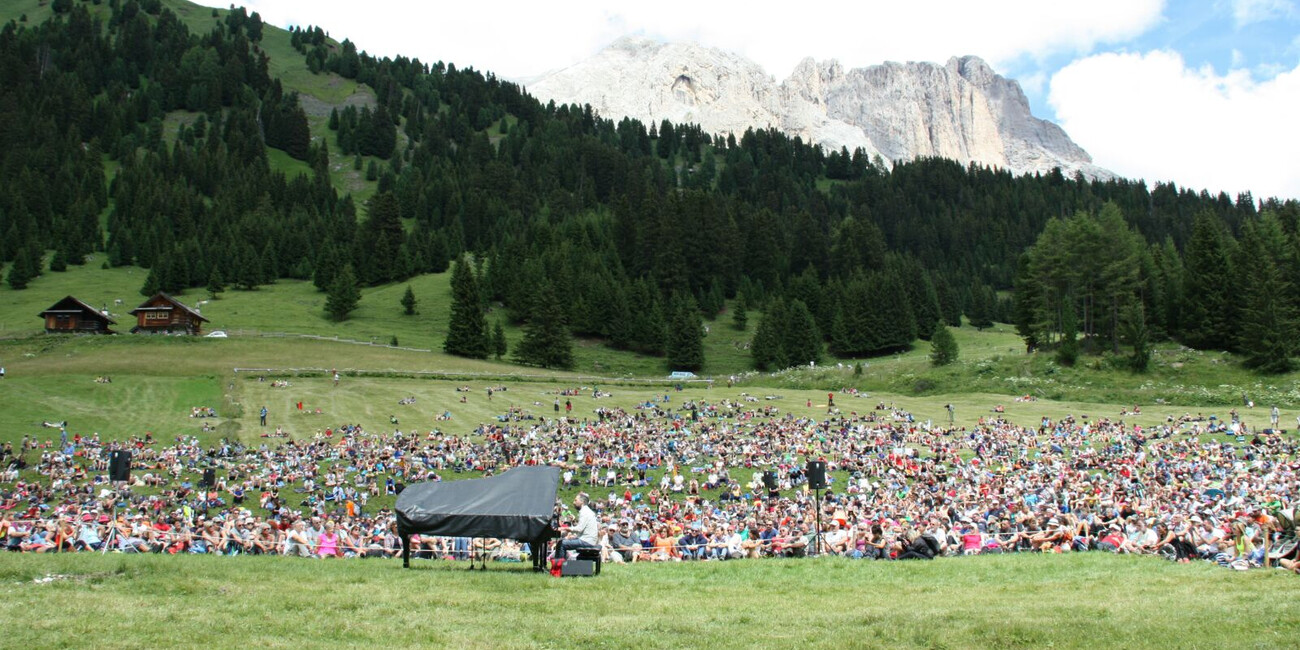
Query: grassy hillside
x=156 y=380
x=1080 y=600
x=320 y=92
x=992 y=362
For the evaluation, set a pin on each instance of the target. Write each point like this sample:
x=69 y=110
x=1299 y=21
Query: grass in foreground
x=1088 y=600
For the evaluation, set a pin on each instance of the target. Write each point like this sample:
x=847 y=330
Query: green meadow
x=1022 y=601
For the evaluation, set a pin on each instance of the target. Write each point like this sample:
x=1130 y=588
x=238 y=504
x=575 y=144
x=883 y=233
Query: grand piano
x=518 y=504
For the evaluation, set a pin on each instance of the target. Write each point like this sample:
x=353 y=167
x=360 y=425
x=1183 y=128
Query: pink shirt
x=970 y=542
x=328 y=544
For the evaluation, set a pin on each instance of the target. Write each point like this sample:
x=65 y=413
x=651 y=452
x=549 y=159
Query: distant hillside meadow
x=419 y=255
x=212 y=153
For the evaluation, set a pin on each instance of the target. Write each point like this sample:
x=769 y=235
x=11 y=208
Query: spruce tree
x=981 y=308
x=943 y=347
x=344 y=294
x=767 y=347
x=324 y=269
x=215 y=283
x=1068 y=350
x=152 y=283
x=1269 y=322
x=1137 y=334
x=801 y=340
x=499 y=340
x=739 y=316
x=1026 y=297
x=685 y=344
x=408 y=302
x=949 y=301
x=59 y=262
x=888 y=324
x=1207 y=286
x=382 y=239
x=466 y=328
x=546 y=340
x=249 y=271
x=20 y=273
x=860 y=322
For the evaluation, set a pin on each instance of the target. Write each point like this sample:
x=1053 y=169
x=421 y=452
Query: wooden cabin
x=163 y=314
x=71 y=316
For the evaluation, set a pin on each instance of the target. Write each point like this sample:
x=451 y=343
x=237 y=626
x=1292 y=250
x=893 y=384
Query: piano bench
x=592 y=554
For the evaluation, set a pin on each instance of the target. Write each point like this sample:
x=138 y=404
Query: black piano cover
x=517 y=504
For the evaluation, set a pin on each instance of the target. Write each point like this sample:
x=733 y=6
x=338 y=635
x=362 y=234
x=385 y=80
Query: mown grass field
x=1026 y=601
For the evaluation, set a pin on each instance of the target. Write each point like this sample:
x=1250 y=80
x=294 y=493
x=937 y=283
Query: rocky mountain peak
x=962 y=109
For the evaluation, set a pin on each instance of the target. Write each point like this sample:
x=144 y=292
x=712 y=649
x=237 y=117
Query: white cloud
x=1246 y=12
x=519 y=39
x=1150 y=116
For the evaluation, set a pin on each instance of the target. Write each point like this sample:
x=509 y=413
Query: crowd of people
x=679 y=479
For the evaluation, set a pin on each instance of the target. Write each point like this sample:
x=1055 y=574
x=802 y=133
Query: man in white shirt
x=585 y=533
x=735 y=543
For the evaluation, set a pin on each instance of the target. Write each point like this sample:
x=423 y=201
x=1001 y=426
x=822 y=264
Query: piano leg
x=539 y=551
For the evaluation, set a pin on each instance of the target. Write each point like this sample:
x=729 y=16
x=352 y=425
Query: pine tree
x=685 y=344
x=59 y=262
x=1136 y=334
x=887 y=324
x=1068 y=350
x=152 y=283
x=1269 y=322
x=499 y=340
x=249 y=272
x=1026 y=296
x=801 y=340
x=949 y=302
x=344 y=294
x=546 y=340
x=767 y=347
x=20 y=273
x=1206 y=315
x=466 y=328
x=324 y=269
x=215 y=283
x=382 y=239
x=943 y=347
x=408 y=302
x=739 y=316
x=982 y=305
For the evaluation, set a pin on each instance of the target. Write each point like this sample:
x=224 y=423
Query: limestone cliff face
x=960 y=110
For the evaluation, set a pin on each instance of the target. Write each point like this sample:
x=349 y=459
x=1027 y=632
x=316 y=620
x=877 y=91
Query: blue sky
x=1262 y=37
x=1200 y=92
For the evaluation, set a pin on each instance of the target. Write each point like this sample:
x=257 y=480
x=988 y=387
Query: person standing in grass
x=262 y=415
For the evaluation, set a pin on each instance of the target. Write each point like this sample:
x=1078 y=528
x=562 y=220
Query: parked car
x=217 y=334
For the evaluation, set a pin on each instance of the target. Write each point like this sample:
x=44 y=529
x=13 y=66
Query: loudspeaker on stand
x=816 y=474
x=119 y=465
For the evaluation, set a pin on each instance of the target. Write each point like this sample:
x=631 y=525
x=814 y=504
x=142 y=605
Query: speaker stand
x=817 y=545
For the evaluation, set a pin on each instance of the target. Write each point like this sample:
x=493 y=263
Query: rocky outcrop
x=961 y=110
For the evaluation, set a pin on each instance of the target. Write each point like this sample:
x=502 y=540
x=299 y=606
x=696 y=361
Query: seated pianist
x=584 y=534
